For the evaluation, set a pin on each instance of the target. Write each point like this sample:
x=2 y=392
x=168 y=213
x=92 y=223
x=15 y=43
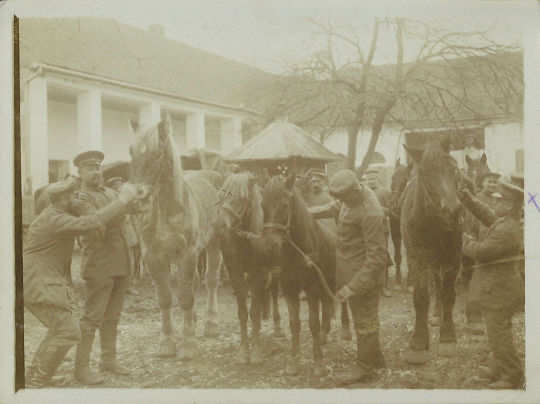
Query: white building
x=82 y=78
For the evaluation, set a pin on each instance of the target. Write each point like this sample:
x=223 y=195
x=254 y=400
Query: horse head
x=476 y=168
x=239 y=205
x=438 y=180
x=277 y=209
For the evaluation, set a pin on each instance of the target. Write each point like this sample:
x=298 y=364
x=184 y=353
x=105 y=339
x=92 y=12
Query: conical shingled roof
x=280 y=141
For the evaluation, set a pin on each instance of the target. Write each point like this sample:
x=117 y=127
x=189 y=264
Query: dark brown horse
x=177 y=218
x=289 y=227
x=239 y=229
x=431 y=225
x=476 y=168
x=399 y=180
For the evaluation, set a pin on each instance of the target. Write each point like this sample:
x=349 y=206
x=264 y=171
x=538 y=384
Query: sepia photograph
x=268 y=197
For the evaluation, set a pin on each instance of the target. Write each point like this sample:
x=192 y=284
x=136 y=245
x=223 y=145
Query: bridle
x=285 y=228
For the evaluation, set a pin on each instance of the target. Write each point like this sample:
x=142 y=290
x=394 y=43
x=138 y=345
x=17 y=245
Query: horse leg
x=436 y=283
x=419 y=343
x=447 y=336
x=327 y=314
x=159 y=270
x=396 y=242
x=276 y=317
x=213 y=267
x=186 y=276
x=315 y=328
x=345 y=322
x=266 y=304
x=257 y=295
x=240 y=292
x=292 y=297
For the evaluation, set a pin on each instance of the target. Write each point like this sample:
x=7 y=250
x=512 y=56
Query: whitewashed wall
x=502 y=141
x=62 y=130
x=116 y=134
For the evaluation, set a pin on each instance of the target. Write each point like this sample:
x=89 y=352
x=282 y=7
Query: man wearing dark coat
x=384 y=196
x=105 y=270
x=496 y=285
x=47 y=247
x=361 y=258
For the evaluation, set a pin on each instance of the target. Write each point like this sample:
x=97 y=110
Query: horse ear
x=468 y=160
x=289 y=183
x=165 y=126
x=133 y=124
x=483 y=159
x=445 y=144
x=416 y=154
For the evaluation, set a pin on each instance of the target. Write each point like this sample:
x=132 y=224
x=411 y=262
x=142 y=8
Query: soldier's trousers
x=499 y=332
x=365 y=312
x=104 y=301
x=62 y=328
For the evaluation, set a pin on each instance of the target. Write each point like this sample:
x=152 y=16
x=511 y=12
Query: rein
x=287 y=230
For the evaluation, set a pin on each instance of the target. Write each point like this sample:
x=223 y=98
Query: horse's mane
x=148 y=144
x=240 y=186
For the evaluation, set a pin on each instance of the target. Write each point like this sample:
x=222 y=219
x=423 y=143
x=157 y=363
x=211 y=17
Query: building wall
x=502 y=141
x=116 y=134
x=62 y=130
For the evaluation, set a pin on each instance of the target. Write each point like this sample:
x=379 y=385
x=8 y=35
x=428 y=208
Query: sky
x=266 y=33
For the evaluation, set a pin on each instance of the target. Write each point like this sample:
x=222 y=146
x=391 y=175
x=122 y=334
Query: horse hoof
x=323 y=339
x=417 y=357
x=278 y=333
x=167 y=349
x=475 y=328
x=346 y=334
x=292 y=370
x=447 y=349
x=211 y=330
x=256 y=357
x=320 y=370
x=242 y=357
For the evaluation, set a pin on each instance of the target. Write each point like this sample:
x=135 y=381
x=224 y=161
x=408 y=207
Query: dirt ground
x=216 y=368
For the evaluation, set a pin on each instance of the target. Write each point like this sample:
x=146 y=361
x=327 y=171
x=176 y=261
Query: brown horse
x=178 y=216
x=289 y=227
x=431 y=225
x=239 y=229
x=399 y=180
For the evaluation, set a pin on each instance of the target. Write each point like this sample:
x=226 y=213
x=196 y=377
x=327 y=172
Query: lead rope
x=318 y=271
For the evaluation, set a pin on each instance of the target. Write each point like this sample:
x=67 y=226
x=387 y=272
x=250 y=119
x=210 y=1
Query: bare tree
x=450 y=74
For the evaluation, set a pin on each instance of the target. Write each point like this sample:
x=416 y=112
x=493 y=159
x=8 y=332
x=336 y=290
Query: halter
x=285 y=228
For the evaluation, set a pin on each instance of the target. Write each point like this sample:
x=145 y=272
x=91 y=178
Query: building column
x=38 y=133
x=90 y=136
x=150 y=113
x=195 y=131
x=231 y=134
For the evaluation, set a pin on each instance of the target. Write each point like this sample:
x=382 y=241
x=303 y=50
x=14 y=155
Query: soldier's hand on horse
x=128 y=193
x=344 y=293
x=464 y=194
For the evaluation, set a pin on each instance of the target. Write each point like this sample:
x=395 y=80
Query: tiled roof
x=280 y=141
x=107 y=48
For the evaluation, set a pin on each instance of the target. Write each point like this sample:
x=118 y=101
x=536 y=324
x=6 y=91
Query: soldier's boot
x=107 y=334
x=369 y=357
x=83 y=373
x=46 y=366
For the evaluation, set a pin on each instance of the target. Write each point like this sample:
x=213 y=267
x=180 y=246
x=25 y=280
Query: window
x=58 y=169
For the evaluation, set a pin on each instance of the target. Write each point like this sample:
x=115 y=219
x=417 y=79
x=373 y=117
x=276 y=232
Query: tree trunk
x=352 y=135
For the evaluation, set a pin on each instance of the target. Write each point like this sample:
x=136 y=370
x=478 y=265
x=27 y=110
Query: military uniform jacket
x=47 y=247
x=384 y=196
x=104 y=252
x=361 y=245
x=495 y=283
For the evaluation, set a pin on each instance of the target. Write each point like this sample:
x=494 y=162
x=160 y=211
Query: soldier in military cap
x=496 y=284
x=47 y=247
x=361 y=258
x=384 y=196
x=105 y=269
